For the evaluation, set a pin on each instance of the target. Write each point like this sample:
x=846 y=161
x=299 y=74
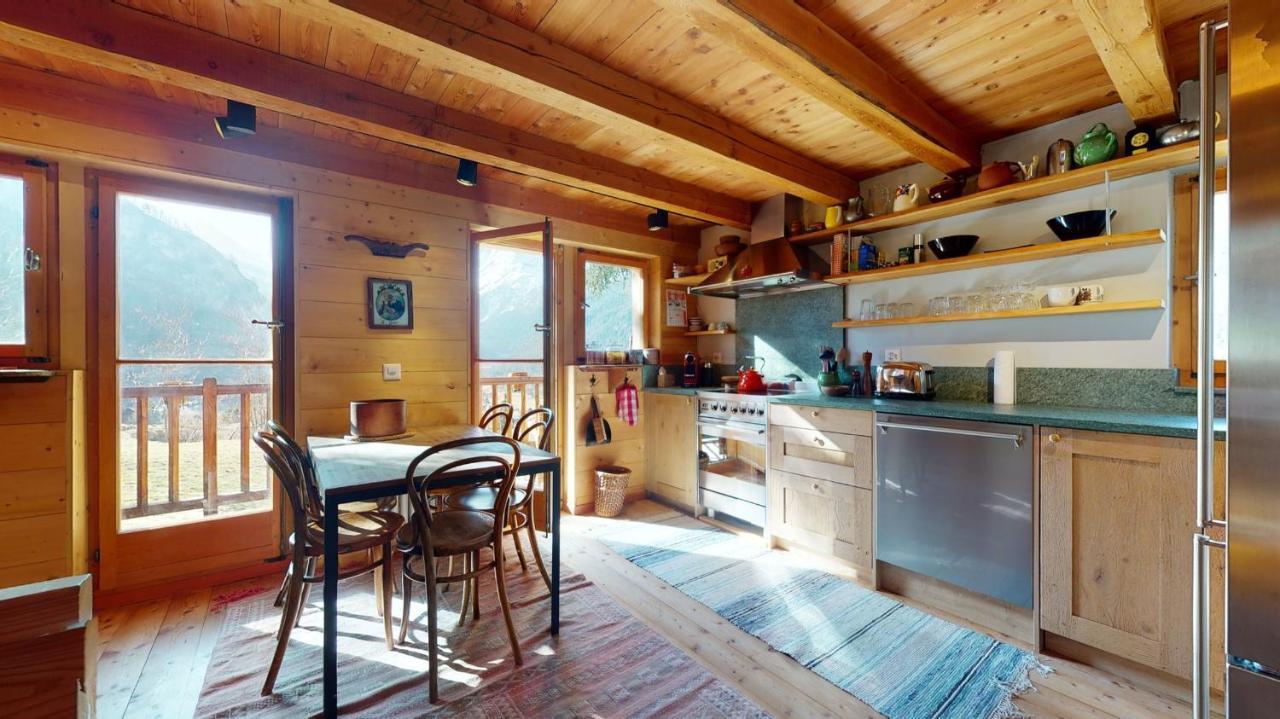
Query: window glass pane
x=1221 y=272
x=190 y=278
x=614 y=295
x=13 y=316
x=509 y=303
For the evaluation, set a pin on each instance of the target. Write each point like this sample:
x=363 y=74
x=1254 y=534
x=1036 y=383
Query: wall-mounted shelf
x=687 y=280
x=1091 y=308
x=708 y=333
x=1005 y=257
x=1148 y=162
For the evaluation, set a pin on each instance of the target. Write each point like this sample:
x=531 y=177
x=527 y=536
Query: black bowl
x=1078 y=225
x=944 y=248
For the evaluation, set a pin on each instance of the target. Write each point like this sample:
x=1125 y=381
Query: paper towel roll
x=1006 y=378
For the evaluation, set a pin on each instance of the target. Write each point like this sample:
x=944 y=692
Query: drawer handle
x=1055 y=437
x=813 y=413
x=818 y=441
x=816 y=487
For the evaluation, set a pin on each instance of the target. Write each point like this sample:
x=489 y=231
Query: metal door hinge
x=97 y=556
x=93 y=212
x=31 y=260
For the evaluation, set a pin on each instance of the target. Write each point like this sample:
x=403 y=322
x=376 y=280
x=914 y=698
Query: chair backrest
x=287 y=475
x=482 y=455
x=302 y=459
x=534 y=428
x=497 y=418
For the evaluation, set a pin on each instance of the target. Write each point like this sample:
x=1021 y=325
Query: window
x=25 y=270
x=611 y=292
x=1186 y=249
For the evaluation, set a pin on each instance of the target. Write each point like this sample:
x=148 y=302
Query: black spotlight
x=241 y=119
x=658 y=221
x=467 y=171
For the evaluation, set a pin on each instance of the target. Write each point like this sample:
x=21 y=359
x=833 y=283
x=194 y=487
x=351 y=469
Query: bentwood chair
x=371 y=533
x=533 y=429
x=433 y=534
x=303 y=461
x=497 y=418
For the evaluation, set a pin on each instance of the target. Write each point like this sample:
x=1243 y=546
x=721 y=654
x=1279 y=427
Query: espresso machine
x=689 y=378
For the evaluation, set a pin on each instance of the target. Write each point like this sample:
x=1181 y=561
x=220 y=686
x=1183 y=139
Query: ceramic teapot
x=906 y=197
x=999 y=174
x=1099 y=144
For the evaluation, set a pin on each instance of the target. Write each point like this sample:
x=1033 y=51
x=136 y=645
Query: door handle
x=272 y=325
x=539 y=327
x=1015 y=438
x=31 y=260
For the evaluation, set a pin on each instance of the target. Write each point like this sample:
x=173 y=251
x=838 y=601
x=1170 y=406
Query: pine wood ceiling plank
x=798 y=47
x=211 y=16
x=427 y=82
x=525 y=13
x=468 y=40
x=1130 y=41
x=149 y=48
x=32 y=91
x=349 y=52
x=155 y=7
x=303 y=39
x=184 y=11
x=254 y=23
x=390 y=69
x=75 y=70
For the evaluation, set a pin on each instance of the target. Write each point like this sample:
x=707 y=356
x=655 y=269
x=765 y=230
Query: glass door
x=189 y=353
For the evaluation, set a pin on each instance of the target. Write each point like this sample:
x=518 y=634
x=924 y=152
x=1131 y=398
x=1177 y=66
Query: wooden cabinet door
x=826 y=517
x=671 y=447
x=1116 y=519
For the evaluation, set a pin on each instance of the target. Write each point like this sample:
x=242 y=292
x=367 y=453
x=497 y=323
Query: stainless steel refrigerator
x=1252 y=522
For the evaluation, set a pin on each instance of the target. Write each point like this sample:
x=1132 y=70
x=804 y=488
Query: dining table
x=350 y=470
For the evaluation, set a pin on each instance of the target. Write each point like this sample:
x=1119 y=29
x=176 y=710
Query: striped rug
x=902 y=662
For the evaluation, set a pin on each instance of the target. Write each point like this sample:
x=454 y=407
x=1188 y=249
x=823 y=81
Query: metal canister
x=1058 y=159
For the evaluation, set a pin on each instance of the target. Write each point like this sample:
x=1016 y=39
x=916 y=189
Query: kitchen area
x=1006 y=430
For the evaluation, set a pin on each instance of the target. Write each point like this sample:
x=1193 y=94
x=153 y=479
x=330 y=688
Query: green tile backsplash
x=787 y=330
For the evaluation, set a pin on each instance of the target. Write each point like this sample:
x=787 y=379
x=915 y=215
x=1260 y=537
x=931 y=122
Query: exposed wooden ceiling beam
x=799 y=48
x=110 y=35
x=465 y=39
x=54 y=96
x=1130 y=42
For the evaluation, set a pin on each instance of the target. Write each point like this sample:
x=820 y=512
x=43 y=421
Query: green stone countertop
x=1101 y=420
x=686 y=391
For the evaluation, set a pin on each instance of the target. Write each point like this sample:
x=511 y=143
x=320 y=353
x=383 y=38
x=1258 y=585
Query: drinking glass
x=937 y=306
x=974 y=304
x=868 y=311
x=891 y=311
x=881 y=313
x=955 y=305
x=906 y=310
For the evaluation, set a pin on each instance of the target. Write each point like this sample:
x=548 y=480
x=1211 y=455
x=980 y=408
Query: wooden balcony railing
x=520 y=390
x=175 y=396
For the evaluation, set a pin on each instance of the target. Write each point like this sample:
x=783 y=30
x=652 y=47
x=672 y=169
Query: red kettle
x=750 y=380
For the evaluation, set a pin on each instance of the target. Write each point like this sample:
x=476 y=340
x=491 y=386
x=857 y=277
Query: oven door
x=731 y=468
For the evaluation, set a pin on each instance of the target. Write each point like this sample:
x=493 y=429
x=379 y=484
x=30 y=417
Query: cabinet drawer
x=826 y=419
x=843 y=458
x=825 y=517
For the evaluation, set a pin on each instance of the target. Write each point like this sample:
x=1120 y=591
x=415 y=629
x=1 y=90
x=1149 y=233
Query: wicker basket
x=611 y=490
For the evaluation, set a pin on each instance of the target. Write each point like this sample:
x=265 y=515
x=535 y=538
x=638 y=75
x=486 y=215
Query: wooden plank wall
x=339 y=357
x=626 y=449
x=42 y=493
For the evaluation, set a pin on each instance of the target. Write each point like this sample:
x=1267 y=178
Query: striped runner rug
x=904 y=663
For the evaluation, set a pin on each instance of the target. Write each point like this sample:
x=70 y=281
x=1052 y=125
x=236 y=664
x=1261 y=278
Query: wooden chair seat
x=482 y=499
x=356 y=531
x=452 y=532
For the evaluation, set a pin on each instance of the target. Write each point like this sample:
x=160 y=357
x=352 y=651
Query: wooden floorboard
x=154 y=655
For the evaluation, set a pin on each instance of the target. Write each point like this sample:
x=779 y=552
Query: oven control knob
x=734 y=409
x=724 y=407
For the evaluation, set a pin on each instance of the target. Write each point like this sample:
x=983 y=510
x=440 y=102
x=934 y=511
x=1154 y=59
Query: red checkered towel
x=627 y=402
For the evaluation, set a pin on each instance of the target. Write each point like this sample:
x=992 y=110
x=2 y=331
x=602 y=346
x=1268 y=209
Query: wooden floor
x=154 y=654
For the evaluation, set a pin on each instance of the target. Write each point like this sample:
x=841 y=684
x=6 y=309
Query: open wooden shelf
x=1155 y=161
x=708 y=333
x=1005 y=257
x=687 y=280
x=1091 y=308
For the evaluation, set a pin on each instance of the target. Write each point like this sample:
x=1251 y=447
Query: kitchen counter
x=686 y=391
x=1101 y=420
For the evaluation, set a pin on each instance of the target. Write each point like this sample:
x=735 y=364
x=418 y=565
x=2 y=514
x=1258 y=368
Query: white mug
x=1062 y=296
x=1089 y=293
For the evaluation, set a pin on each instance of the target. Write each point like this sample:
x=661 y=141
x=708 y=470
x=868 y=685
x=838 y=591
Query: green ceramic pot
x=1099 y=144
x=827 y=379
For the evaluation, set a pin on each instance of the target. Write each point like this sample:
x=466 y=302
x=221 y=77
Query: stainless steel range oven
x=731 y=456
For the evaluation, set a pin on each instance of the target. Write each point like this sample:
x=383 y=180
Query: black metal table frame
x=332 y=499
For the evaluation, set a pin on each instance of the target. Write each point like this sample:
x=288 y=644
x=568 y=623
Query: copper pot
x=998 y=174
x=372 y=418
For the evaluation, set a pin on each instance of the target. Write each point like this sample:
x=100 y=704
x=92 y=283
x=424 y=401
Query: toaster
x=905 y=380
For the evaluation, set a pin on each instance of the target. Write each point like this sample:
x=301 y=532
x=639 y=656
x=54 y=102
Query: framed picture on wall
x=390 y=304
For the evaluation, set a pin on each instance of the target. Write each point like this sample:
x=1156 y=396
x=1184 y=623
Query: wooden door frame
x=102 y=356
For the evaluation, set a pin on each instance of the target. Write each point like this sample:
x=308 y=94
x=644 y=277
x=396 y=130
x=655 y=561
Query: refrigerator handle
x=1205 y=519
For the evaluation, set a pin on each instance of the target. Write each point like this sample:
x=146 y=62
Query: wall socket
x=893 y=355
x=391 y=372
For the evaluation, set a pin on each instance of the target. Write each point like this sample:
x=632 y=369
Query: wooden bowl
x=372 y=418
x=730 y=245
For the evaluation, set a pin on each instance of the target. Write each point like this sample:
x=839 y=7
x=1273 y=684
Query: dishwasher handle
x=1016 y=438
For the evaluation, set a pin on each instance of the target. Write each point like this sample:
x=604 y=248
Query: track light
x=241 y=120
x=658 y=221
x=467 y=171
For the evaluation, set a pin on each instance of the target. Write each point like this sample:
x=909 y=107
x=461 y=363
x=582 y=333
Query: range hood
x=769 y=267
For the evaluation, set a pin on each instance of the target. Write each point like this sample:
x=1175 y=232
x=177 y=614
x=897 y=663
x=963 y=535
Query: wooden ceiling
x=700 y=106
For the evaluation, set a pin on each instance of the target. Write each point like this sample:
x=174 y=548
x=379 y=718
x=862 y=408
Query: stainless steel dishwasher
x=954 y=502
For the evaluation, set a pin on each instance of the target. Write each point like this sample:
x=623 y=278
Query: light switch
x=893 y=355
x=391 y=372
